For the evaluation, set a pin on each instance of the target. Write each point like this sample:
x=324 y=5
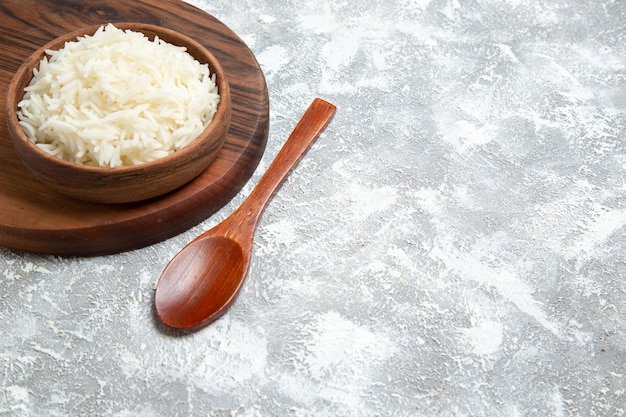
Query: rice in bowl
x=117 y=98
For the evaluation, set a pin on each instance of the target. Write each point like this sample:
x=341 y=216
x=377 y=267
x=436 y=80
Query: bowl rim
x=15 y=95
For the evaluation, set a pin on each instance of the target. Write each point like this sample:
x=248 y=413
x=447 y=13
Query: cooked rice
x=117 y=98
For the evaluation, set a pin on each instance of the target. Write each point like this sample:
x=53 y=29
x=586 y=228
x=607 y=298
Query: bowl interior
x=195 y=49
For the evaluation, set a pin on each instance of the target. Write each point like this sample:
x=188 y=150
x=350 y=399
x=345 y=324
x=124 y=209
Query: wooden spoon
x=203 y=279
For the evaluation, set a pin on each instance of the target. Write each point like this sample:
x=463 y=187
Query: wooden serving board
x=36 y=219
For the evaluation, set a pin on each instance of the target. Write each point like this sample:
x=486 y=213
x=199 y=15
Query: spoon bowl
x=180 y=301
x=203 y=279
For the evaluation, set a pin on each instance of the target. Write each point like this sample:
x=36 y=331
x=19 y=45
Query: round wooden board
x=35 y=219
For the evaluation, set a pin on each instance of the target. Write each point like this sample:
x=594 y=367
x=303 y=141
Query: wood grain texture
x=36 y=219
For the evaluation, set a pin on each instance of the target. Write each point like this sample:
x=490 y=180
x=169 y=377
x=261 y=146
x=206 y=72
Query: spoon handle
x=308 y=129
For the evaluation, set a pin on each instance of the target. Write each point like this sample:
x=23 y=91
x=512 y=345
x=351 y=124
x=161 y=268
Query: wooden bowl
x=127 y=183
